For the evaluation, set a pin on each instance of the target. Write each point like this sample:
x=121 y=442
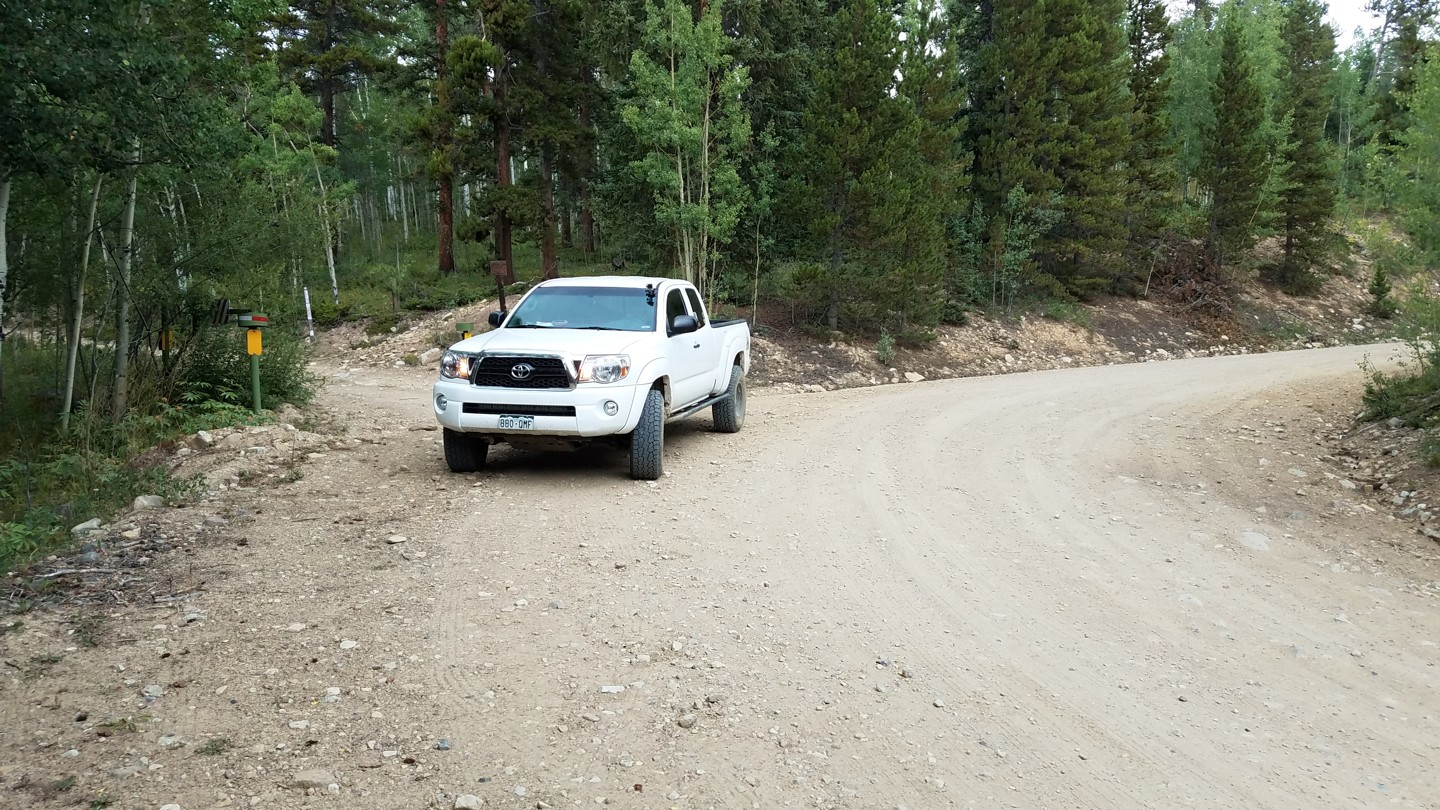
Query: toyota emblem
x=522 y=371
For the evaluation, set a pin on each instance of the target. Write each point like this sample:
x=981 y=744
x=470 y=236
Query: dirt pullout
x=1134 y=586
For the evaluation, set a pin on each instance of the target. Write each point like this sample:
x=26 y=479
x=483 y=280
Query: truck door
x=711 y=343
x=687 y=363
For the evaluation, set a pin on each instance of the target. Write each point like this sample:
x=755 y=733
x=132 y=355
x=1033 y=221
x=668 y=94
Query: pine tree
x=544 y=98
x=932 y=83
x=1008 y=66
x=861 y=143
x=1151 y=158
x=1307 y=201
x=327 y=44
x=782 y=43
x=1235 y=167
x=1088 y=117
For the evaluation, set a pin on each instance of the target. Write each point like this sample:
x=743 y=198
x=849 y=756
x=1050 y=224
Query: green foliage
x=1382 y=304
x=1417 y=164
x=885 y=348
x=1235 y=168
x=1307 y=199
x=877 y=231
x=383 y=324
x=683 y=114
x=41 y=497
x=1413 y=393
x=1090 y=114
x=1151 y=156
x=217 y=370
x=214 y=747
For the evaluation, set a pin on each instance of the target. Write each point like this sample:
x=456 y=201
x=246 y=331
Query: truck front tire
x=464 y=454
x=647 y=442
x=730 y=413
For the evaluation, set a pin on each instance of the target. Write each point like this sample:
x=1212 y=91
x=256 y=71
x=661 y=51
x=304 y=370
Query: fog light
x=441 y=402
x=611 y=407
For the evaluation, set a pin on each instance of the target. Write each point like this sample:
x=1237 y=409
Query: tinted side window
x=695 y=307
x=674 y=305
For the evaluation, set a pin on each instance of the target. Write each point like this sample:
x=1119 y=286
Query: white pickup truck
x=581 y=360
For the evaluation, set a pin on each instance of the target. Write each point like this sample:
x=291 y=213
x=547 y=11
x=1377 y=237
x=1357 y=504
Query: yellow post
x=252 y=346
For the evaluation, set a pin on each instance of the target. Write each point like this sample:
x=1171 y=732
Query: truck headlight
x=605 y=368
x=455 y=365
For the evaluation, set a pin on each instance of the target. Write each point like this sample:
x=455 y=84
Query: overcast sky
x=1346 y=15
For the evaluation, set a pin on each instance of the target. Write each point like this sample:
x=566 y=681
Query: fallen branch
x=67 y=571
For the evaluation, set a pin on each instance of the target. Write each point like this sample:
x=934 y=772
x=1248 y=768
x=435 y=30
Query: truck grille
x=500 y=372
x=519 y=410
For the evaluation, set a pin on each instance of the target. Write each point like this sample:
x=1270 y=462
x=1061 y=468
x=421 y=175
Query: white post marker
x=309 y=320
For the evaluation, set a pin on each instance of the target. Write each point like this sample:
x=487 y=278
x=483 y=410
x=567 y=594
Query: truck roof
x=636 y=282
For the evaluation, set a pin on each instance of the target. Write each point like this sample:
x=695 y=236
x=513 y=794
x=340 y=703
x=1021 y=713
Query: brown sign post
x=500 y=269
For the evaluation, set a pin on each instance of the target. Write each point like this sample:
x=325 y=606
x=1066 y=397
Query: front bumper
x=588 y=400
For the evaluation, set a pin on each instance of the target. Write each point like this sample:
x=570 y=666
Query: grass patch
x=215 y=746
x=88 y=627
x=123 y=725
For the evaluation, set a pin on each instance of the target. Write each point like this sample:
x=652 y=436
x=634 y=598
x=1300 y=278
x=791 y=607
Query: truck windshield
x=620 y=309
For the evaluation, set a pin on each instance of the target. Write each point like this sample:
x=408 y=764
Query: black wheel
x=647 y=442
x=464 y=454
x=730 y=413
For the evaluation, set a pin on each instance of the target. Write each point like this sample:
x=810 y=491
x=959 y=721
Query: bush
x=217 y=369
x=1382 y=304
x=382 y=324
x=1412 y=394
x=885 y=348
x=41 y=498
x=328 y=314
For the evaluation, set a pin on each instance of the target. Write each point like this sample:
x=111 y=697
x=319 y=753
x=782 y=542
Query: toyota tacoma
x=599 y=359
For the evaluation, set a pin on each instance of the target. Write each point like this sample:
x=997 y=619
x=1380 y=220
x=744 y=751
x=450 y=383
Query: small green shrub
x=382 y=324
x=955 y=313
x=214 y=747
x=328 y=314
x=217 y=369
x=1067 y=310
x=1430 y=452
x=1382 y=303
x=885 y=348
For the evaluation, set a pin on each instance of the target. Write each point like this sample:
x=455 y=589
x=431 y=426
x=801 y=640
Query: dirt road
x=1119 y=587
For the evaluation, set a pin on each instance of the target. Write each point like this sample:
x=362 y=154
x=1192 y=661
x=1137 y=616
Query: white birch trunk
x=404 y=212
x=330 y=255
x=120 y=396
x=4 y=267
x=72 y=346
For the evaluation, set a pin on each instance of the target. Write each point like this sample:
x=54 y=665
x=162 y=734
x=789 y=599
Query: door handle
x=696 y=346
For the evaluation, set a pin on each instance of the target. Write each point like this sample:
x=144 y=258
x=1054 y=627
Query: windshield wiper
x=527 y=326
x=602 y=328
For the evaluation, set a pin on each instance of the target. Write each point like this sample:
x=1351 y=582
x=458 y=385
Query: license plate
x=517 y=423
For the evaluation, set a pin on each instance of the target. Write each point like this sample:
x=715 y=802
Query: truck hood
x=574 y=343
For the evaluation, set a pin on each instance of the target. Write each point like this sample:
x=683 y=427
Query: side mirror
x=683 y=324
x=496 y=317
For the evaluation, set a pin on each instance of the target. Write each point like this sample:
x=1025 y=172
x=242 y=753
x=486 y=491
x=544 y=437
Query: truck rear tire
x=647 y=442
x=463 y=453
x=730 y=413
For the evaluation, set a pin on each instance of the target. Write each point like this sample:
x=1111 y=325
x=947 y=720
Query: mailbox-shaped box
x=252 y=320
